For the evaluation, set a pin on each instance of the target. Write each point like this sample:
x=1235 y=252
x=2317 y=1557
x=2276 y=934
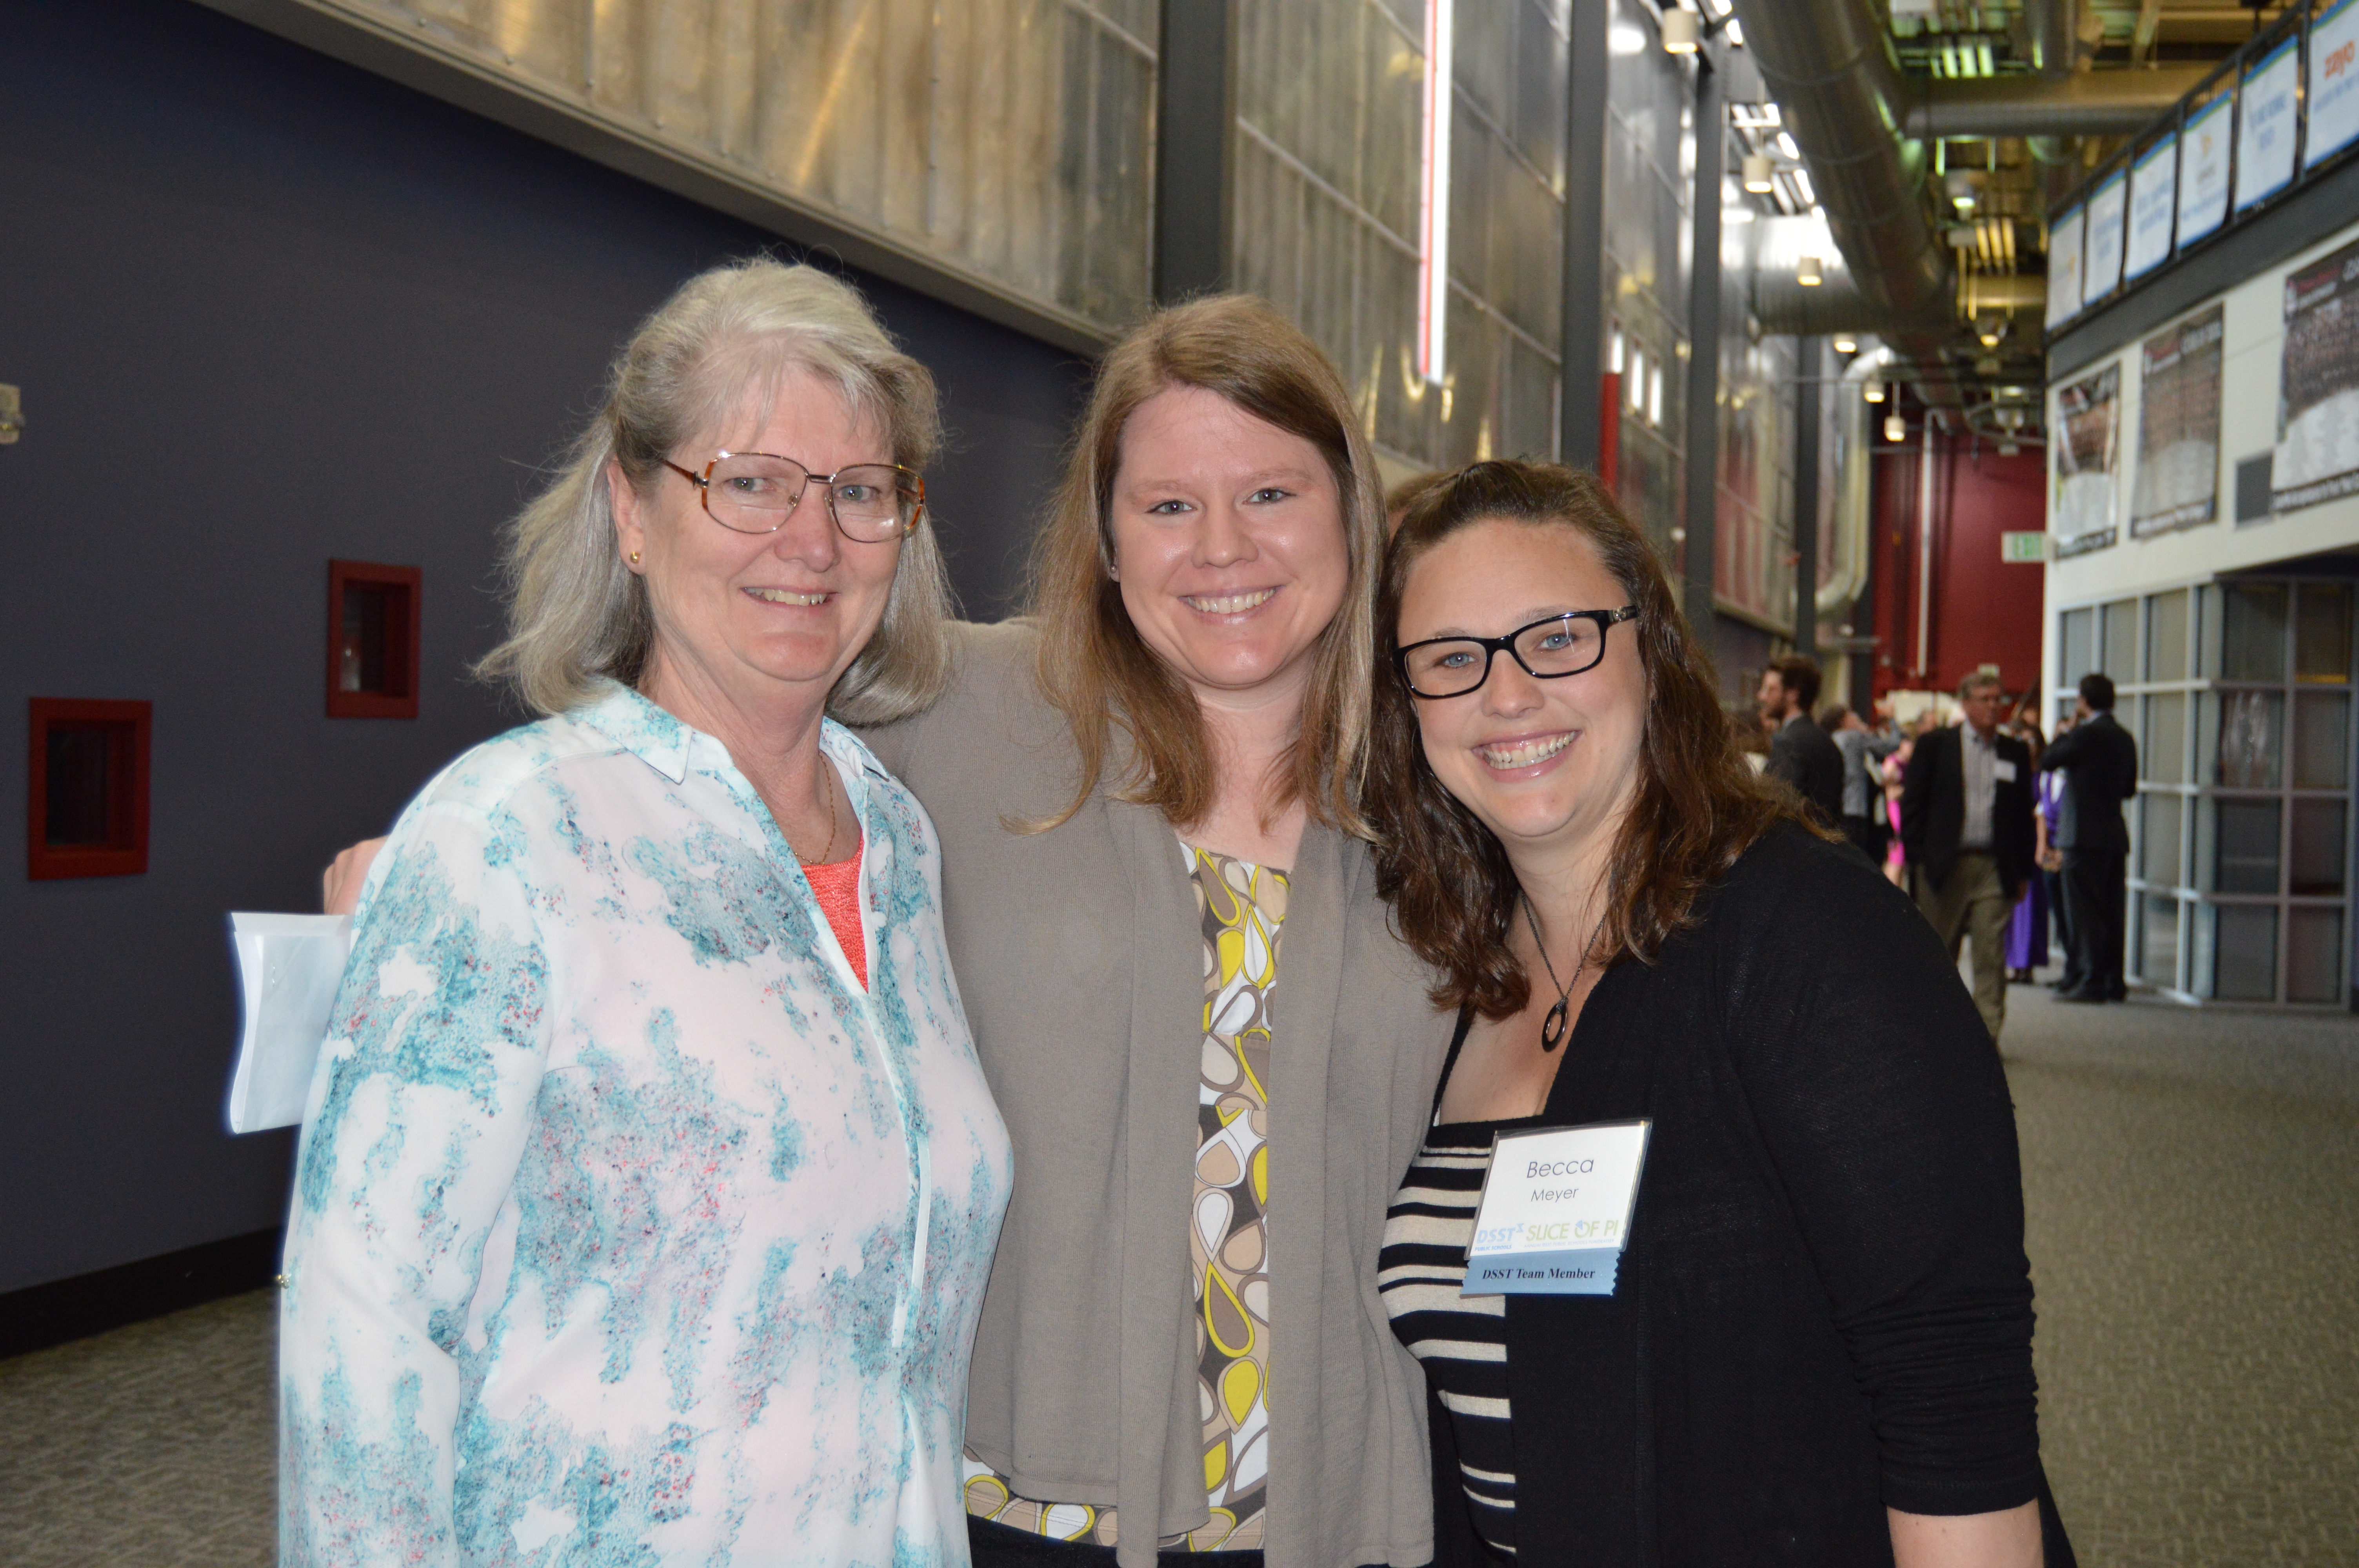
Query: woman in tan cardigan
x=1212 y=1057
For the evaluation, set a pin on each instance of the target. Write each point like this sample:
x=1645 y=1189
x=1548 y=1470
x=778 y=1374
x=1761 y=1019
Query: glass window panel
x=2121 y=641
x=2162 y=756
x=2207 y=659
x=2314 y=955
x=2321 y=740
x=2158 y=839
x=2158 y=948
x=2245 y=953
x=2254 y=633
x=2251 y=739
x=2247 y=843
x=2317 y=856
x=2321 y=633
x=2165 y=646
x=2080 y=645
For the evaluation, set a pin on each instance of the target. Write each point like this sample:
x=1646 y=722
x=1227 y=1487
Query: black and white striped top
x=1458 y=1339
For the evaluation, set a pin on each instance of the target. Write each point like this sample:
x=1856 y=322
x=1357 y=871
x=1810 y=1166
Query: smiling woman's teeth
x=1230 y=603
x=781 y=596
x=1524 y=754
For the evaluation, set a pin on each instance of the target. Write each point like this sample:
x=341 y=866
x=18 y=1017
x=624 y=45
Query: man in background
x=1801 y=754
x=1863 y=750
x=1965 y=825
x=2099 y=761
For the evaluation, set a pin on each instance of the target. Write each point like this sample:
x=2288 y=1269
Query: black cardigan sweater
x=1825 y=1308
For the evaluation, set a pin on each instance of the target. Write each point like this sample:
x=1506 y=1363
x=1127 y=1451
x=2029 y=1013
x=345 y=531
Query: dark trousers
x=2096 y=887
x=1868 y=835
x=2061 y=920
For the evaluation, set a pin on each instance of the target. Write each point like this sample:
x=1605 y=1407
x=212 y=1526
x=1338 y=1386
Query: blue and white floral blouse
x=627 y=1227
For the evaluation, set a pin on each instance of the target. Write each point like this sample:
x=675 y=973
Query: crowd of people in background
x=2012 y=843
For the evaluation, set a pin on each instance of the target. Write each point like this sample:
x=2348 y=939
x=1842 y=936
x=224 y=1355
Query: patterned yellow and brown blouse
x=1242 y=908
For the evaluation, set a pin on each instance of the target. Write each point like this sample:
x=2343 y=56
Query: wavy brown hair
x=1698 y=805
x=1094 y=666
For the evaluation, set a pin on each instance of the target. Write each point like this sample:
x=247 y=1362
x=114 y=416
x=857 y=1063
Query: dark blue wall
x=267 y=309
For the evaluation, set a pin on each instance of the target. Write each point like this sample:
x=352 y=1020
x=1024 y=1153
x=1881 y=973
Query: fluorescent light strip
x=1433 y=237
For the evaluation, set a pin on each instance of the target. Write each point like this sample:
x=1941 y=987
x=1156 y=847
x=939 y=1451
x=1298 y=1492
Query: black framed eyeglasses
x=755 y=492
x=1547 y=650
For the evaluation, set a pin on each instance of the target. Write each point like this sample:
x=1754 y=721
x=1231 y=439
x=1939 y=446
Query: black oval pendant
x=1552 y=1027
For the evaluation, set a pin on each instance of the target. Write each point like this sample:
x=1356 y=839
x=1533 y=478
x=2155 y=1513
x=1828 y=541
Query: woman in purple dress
x=2026 y=934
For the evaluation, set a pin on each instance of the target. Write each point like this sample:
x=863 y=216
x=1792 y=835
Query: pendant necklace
x=1559 y=1017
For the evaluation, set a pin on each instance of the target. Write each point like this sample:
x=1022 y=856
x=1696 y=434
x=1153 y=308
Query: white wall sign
x=2064 y=267
x=2203 y=168
x=2266 y=124
x=2107 y=209
x=2333 y=82
x=2083 y=444
x=2318 y=385
x=2154 y=203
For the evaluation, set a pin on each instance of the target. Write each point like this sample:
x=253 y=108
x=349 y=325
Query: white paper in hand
x=289 y=965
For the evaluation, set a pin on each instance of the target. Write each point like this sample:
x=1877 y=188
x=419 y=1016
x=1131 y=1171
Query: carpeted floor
x=2191 y=1181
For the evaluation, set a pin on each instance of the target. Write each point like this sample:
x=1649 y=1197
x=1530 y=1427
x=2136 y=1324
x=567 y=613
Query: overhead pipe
x=2090 y=103
x=1830 y=64
x=1854 y=493
x=2052 y=28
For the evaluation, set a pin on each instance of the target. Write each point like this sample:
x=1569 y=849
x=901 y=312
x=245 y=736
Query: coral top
x=837 y=888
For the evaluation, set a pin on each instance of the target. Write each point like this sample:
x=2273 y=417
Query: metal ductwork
x=1854 y=440
x=2092 y=103
x=2051 y=28
x=1829 y=65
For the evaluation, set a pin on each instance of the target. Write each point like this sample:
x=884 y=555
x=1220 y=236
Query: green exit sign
x=2028 y=546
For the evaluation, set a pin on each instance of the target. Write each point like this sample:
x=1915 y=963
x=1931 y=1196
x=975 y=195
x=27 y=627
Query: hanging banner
x=2107 y=208
x=2266 y=124
x=2082 y=435
x=2154 y=203
x=2179 y=427
x=2203 y=168
x=2064 y=268
x=2318 y=385
x=2333 y=82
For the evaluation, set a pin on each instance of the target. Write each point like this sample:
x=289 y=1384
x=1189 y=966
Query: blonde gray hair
x=578 y=616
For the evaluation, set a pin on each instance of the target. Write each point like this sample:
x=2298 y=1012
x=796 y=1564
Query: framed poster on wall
x=2064 y=268
x=2083 y=435
x=2333 y=82
x=2108 y=208
x=2179 y=427
x=2318 y=384
x=2266 y=122
x=2203 y=168
x=2154 y=200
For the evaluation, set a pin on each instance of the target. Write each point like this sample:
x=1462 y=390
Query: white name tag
x=2003 y=771
x=1555 y=1213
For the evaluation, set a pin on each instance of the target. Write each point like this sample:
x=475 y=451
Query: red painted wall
x=1984 y=611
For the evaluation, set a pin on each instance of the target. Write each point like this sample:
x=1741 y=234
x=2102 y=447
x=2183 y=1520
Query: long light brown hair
x=1094 y=666
x=1697 y=805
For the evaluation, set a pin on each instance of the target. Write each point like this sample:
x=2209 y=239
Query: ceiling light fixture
x=1896 y=428
x=1846 y=343
x=1760 y=174
x=1871 y=390
x=1807 y=273
x=1682 y=31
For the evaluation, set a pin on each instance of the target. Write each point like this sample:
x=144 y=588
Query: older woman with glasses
x=1798 y=1330
x=1212 y=1055
x=651 y=1181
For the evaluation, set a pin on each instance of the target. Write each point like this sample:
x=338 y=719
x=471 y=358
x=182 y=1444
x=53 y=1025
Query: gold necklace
x=803 y=859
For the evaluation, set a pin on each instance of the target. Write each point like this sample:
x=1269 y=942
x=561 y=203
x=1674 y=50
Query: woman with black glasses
x=1713 y=1251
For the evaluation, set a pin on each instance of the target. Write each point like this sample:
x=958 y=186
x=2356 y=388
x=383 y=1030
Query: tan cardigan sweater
x=1079 y=961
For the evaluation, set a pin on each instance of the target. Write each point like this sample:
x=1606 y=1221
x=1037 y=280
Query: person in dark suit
x=1965 y=827
x=1802 y=755
x=2099 y=761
